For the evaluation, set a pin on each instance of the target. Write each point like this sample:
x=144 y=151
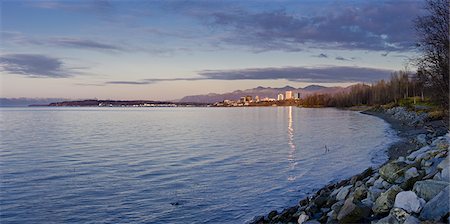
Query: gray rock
x=387 y=185
x=367 y=202
x=302 y=218
x=387 y=220
x=370 y=181
x=408 y=201
x=337 y=206
x=312 y=222
x=445 y=174
x=437 y=207
x=374 y=193
x=401 y=159
x=353 y=212
x=414 y=154
x=411 y=172
x=378 y=183
x=411 y=220
x=443 y=164
x=428 y=189
x=343 y=193
x=386 y=200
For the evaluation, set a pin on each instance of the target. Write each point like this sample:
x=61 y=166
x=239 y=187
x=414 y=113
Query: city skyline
x=166 y=50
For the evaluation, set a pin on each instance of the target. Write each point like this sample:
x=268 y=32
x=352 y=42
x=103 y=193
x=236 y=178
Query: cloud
x=69 y=42
x=297 y=74
x=340 y=58
x=302 y=74
x=376 y=26
x=99 y=7
x=82 y=43
x=35 y=66
x=322 y=55
x=129 y=82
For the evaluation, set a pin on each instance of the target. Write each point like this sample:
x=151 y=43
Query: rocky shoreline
x=412 y=187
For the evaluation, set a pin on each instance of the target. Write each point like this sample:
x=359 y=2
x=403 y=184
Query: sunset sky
x=165 y=50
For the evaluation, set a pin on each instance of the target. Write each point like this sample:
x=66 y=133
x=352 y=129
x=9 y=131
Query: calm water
x=175 y=165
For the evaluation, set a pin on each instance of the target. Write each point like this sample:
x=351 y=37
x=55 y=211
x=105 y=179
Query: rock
x=321 y=200
x=272 y=214
x=302 y=218
x=392 y=171
x=443 y=164
x=258 y=219
x=426 y=163
x=353 y=212
x=428 y=189
x=409 y=183
x=378 y=183
x=370 y=181
x=399 y=214
x=343 y=193
x=437 y=207
x=445 y=174
x=411 y=172
x=367 y=202
x=336 y=207
x=386 y=200
x=312 y=222
x=411 y=220
x=360 y=193
x=409 y=201
x=374 y=193
x=387 y=220
x=401 y=159
x=386 y=185
x=414 y=154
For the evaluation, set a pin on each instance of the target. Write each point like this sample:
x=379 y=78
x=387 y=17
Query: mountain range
x=263 y=92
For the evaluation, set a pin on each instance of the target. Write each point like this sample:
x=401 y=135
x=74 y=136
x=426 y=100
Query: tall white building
x=289 y=95
x=280 y=96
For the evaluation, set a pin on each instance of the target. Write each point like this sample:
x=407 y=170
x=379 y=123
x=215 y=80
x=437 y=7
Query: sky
x=164 y=50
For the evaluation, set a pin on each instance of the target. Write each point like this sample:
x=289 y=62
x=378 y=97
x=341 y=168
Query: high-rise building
x=296 y=96
x=288 y=95
x=280 y=96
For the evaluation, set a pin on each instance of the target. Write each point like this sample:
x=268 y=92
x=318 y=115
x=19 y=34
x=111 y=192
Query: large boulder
x=386 y=200
x=393 y=170
x=353 y=211
x=408 y=201
x=428 y=189
x=438 y=207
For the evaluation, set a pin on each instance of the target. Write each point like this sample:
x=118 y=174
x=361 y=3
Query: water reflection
x=292 y=147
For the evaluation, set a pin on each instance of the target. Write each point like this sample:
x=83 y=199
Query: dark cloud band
x=328 y=74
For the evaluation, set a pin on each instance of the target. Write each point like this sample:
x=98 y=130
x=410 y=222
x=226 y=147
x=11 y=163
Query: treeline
x=431 y=79
x=402 y=85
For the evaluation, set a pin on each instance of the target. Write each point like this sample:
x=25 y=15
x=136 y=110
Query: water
x=175 y=165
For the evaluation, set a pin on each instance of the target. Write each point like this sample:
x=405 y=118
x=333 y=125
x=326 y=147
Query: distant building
x=296 y=96
x=280 y=96
x=289 y=95
x=257 y=99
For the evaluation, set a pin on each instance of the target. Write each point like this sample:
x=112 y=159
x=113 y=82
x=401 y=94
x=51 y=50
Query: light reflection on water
x=292 y=147
x=175 y=165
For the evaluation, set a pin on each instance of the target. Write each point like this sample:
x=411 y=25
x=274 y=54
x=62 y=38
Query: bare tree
x=433 y=41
